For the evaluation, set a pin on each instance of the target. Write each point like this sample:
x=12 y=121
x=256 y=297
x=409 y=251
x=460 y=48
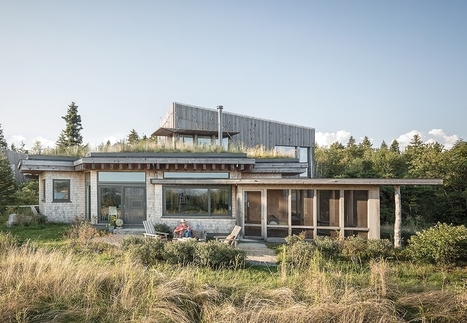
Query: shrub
x=298 y=254
x=355 y=248
x=380 y=249
x=180 y=252
x=441 y=244
x=145 y=250
x=327 y=246
x=216 y=255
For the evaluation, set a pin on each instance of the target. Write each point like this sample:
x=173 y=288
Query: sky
x=382 y=69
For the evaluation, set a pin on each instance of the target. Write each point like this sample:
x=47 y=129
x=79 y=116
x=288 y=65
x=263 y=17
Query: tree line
x=422 y=205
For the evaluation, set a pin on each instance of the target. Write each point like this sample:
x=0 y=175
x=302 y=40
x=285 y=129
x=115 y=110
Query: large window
x=197 y=201
x=61 y=190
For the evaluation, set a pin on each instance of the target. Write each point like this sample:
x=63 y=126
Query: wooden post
x=398 y=217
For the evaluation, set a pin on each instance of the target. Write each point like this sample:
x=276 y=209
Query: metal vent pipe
x=219 y=124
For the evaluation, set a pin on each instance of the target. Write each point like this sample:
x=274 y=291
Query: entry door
x=134 y=205
x=252 y=212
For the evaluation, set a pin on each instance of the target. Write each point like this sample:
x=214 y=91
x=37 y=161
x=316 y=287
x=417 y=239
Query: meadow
x=57 y=273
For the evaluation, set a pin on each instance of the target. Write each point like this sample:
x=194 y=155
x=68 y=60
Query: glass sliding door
x=129 y=202
x=134 y=205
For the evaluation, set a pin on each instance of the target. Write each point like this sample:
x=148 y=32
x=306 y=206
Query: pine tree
x=7 y=182
x=133 y=137
x=3 y=143
x=71 y=136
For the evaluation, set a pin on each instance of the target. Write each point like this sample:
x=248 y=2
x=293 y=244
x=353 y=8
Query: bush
x=327 y=246
x=380 y=249
x=441 y=244
x=162 y=227
x=355 y=248
x=180 y=252
x=298 y=254
x=147 y=251
x=219 y=255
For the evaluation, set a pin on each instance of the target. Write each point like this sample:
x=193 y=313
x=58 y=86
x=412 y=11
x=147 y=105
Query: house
x=269 y=198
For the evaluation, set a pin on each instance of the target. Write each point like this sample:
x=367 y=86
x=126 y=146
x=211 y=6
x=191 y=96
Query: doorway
x=253 y=228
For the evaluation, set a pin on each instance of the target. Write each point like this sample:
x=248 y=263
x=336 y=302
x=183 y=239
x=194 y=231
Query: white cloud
x=440 y=136
x=44 y=142
x=327 y=138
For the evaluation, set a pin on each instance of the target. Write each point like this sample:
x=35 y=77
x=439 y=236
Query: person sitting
x=183 y=230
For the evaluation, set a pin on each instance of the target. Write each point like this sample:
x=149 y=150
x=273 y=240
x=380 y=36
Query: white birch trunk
x=398 y=217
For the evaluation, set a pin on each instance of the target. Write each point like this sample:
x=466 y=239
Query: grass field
x=49 y=275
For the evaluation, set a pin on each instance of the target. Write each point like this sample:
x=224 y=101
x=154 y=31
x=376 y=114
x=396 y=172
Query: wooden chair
x=232 y=238
x=152 y=233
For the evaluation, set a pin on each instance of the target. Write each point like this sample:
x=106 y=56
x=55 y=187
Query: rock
x=12 y=220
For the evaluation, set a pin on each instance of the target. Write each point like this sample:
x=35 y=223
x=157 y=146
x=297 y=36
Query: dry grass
x=37 y=285
x=150 y=146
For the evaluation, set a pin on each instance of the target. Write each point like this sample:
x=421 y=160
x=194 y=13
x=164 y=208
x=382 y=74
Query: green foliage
x=297 y=255
x=145 y=250
x=3 y=143
x=71 y=135
x=27 y=193
x=133 y=137
x=180 y=252
x=217 y=255
x=441 y=244
x=327 y=246
x=162 y=227
x=211 y=254
x=7 y=182
x=359 y=249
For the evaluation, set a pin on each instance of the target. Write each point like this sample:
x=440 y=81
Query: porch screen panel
x=328 y=208
x=277 y=207
x=356 y=208
x=302 y=207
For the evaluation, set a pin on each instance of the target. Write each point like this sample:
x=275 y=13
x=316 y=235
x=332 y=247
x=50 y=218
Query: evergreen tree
x=395 y=147
x=133 y=137
x=7 y=182
x=37 y=148
x=71 y=135
x=3 y=143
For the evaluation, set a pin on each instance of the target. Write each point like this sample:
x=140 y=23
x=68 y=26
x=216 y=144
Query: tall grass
x=39 y=285
x=150 y=146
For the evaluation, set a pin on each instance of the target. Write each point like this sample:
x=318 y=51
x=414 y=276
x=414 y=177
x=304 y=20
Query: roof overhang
x=170 y=132
x=300 y=181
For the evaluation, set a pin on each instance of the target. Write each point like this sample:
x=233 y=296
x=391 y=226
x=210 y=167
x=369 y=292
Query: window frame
x=68 y=186
x=209 y=213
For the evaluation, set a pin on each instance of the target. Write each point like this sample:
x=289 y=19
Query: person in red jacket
x=183 y=230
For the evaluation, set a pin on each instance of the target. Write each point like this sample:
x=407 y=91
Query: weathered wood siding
x=251 y=131
x=14 y=158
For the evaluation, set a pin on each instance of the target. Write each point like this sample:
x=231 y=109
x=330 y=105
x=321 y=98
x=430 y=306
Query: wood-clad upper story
x=182 y=119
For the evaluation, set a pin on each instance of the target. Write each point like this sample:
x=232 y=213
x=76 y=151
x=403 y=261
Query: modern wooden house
x=270 y=198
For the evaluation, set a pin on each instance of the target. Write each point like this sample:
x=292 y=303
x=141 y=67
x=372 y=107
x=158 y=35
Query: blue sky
x=382 y=69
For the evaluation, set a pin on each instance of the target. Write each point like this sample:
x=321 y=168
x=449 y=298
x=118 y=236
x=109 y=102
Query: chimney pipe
x=219 y=124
